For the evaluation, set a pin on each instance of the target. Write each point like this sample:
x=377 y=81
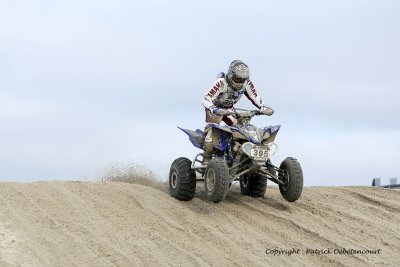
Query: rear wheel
x=253 y=185
x=216 y=180
x=292 y=176
x=182 y=179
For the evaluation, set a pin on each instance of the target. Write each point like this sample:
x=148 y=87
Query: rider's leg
x=208 y=146
x=229 y=120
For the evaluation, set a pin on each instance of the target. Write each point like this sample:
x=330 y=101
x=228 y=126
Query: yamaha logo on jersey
x=253 y=90
x=214 y=89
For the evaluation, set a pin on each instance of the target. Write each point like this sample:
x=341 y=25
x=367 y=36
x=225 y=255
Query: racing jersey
x=221 y=95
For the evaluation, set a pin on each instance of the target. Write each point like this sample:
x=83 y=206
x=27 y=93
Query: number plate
x=260 y=153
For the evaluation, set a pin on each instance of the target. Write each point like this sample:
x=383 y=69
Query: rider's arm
x=212 y=93
x=251 y=93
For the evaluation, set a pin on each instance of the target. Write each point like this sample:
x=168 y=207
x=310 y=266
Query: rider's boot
x=208 y=146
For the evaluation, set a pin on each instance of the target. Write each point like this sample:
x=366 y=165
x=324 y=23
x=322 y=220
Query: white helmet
x=238 y=73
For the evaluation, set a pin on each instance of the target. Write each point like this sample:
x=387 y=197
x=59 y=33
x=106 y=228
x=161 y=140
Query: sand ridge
x=118 y=224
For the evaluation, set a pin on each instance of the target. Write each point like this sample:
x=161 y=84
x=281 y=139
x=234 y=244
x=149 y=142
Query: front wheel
x=182 y=179
x=292 y=176
x=216 y=180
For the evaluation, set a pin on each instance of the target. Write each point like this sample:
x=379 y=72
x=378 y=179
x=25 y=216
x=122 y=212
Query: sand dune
x=120 y=224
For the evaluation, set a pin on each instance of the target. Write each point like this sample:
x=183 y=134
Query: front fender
x=269 y=133
x=220 y=136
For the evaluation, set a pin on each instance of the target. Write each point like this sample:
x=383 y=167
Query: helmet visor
x=238 y=80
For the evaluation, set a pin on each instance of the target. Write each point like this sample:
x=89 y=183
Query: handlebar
x=245 y=114
x=239 y=113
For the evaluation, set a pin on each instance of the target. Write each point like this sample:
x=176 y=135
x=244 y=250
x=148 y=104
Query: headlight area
x=272 y=149
x=247 y=147
x=259 y=153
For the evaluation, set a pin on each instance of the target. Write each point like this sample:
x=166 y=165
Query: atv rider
x=223 y=94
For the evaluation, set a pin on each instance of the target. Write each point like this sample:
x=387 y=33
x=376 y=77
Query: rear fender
x=196 y=137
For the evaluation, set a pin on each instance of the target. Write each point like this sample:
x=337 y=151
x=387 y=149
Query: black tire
x=292 y=175
x=182 y=179
x=216 y=180
x=253 y=185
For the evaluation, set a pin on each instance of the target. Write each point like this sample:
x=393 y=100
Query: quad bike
x=241 y=153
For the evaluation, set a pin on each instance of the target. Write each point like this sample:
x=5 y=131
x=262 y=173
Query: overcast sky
x=87 y=83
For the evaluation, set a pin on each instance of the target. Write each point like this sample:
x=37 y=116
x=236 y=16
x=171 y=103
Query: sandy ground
x=119 y=224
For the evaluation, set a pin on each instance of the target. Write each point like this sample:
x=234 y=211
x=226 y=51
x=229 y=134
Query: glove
x=266 y=111
x=221 y=112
